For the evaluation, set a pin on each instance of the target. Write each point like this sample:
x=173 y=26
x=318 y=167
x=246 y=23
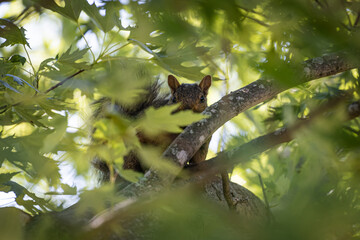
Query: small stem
x=258 y=21
x=263 y=190
x=270 y=216
x=252 y=11
x=83 y=36
x=117 y=49
x=33 y=68
x=357 y=20
x=226 y=190
x=347 y=14
x=107 y=48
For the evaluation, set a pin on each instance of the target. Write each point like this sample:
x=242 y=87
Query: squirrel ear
x=173 y=83
x=205 y=84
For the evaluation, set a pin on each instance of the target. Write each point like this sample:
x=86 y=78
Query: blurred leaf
x=51 y=140
x=98 y=199
x=70 y=57
x=130 y=175
x=29 y=200
x=161 y=120
x=21 y=81
x=17 y=59
x=11 y=222
x=71 y=9
x=4 y=177
x=8 y=86
x=111 y=18
x=67 y=190
x=44 y=64
x=11 y=33
x=151 y=157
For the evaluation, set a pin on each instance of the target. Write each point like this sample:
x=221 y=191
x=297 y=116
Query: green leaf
x=161 y=120
x=151 y=157
x=32 y=204
x=99 y=199
x=70 y=57
x=21 y=81
x=17 y=59
x=104 y=23
x=11 y=33
x=8 y=86
x=111 y=17
x=27 y=115
x=130 y=175
x=71 y=9
x=67 y=190
x=11 y=222
x=174 y=62
x=4 y=177
x=44 y=64
x=53 y=139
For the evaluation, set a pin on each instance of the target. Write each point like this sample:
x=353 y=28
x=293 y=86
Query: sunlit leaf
x=17 y=59
x=12 y=34
x=54 y=138
x=21 y=81
x=71 y=57
x=71 y=9
x=4 y=177
x=161 y=120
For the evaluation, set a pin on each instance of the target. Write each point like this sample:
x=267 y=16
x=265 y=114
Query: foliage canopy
x=115 y=48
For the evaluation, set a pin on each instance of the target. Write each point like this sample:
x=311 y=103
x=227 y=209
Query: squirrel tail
x=150 y=97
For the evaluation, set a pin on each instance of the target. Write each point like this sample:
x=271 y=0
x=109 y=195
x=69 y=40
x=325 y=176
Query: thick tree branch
x=190 y=140
x=265 y=142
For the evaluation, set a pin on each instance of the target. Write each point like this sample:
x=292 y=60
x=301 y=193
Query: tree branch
x=227 y=159
x=193 y=136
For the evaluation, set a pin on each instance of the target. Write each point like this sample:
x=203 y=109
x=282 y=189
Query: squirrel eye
x=174 y=99
x=202 y=99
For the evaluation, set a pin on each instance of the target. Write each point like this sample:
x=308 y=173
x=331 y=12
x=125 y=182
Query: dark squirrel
x=190 y=96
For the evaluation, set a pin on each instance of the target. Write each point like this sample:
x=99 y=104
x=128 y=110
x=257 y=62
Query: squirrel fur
x=189 y=96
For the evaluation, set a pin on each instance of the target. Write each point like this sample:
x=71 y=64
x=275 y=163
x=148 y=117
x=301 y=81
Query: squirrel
x=188 y=96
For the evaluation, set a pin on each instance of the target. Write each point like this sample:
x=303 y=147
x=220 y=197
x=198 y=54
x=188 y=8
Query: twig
x=226 y=190
x=87 y=44
x=258 y=21
x=319 y=3
x=252 y=11
x=357 y=20
x=270 y=216
x=347 y=14
x=63 y=81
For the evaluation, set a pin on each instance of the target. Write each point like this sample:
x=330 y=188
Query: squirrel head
x=190 y=96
